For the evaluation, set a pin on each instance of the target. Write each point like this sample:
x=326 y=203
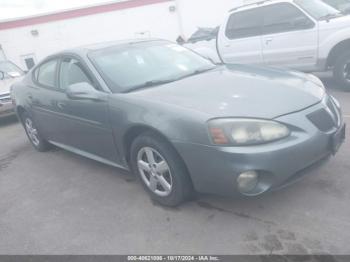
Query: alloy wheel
x=32 y=132
x=155 y=171
x=347 y=71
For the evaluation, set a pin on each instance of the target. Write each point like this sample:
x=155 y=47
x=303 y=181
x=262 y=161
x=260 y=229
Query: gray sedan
x=179 y=122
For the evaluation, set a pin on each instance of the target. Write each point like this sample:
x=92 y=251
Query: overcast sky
x=19 y=8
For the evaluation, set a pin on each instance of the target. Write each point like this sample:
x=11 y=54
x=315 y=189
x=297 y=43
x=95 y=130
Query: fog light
x=247 y=181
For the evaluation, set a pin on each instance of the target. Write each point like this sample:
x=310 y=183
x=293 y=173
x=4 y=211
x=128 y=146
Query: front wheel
x=341 y=71
x=160 y=169
x=33 y=134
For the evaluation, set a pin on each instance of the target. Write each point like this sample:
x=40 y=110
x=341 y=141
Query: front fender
x=174 y=123
x=331 y=41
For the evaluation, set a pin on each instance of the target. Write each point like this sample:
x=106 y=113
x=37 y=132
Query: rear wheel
x=341 y=71
x=160 y=169
x=33 y=134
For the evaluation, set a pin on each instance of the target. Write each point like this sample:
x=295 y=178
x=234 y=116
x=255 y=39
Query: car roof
x=83 y=50
x=259 y=4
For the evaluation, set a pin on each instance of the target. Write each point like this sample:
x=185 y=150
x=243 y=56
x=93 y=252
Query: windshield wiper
x=162 y=82
x=330 y=16
x=199 y=71
x=150 y=84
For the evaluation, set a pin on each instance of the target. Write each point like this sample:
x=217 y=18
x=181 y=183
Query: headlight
x=242 y=132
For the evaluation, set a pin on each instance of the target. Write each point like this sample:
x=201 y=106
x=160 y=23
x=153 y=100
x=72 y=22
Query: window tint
x=244 y=24
x=72 y=72
x=284 y=17
x=46 y=73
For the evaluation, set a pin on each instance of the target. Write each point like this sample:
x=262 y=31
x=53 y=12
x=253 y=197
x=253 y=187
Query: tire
x=341 y=71
x=34 y=136
x=166 y=168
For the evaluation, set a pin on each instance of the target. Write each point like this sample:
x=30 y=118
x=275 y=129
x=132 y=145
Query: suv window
x=72 y=72
x=46 y=73
x=284 y=17
x=244 y=24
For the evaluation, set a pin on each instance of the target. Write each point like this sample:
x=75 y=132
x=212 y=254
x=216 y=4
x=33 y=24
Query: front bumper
x=215 y=170
x=6 y=106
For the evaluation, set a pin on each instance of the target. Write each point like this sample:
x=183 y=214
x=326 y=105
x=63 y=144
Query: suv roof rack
x=252 y=4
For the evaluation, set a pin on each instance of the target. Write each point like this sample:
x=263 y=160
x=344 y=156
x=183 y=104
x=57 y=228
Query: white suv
x=307 y=35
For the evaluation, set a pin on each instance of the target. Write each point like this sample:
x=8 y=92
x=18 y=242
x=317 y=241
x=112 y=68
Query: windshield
x=342 y=5
x=125 y=68
x=10 y=69
x=317 y=9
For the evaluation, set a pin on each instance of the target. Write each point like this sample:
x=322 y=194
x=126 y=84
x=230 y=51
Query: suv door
x=290 y=37
x=86 y=122
x=240 y=42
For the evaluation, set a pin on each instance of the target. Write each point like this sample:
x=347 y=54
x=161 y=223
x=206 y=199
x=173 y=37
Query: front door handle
x=30 y=97
x=268 y=40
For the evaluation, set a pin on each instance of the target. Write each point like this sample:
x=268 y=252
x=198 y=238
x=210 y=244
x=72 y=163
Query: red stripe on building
x=78 y=13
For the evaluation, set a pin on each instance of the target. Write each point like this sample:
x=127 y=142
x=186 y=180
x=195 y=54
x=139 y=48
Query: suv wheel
x=342 y=71
x=34 y=135
x=160 y=170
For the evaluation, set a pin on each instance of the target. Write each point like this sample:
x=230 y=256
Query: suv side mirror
x=84 y=91
x=2 y=75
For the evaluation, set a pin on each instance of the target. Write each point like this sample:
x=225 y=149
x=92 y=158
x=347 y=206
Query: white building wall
x=2 y=54
x=147 y=21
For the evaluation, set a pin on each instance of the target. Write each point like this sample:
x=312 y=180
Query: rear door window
x=46 y=74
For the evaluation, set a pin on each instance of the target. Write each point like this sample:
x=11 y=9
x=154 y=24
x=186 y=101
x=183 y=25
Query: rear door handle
x=61 y=105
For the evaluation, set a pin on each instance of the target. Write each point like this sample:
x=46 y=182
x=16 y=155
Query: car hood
x=239 y=91
x=6 y=84
x=342 y=22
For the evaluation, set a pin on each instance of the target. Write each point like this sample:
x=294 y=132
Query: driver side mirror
x=2 y=75
x=84 y=91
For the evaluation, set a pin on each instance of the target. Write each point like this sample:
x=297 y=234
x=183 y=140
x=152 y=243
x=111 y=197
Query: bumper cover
x=214 y=170
x=6 y=109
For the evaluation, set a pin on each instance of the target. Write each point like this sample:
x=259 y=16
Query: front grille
x=322 y=120
x=327 y=118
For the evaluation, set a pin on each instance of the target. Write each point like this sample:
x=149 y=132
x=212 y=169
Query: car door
x=240 y=42
x=45 y=98
x=290 y=37
x=86 y=122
